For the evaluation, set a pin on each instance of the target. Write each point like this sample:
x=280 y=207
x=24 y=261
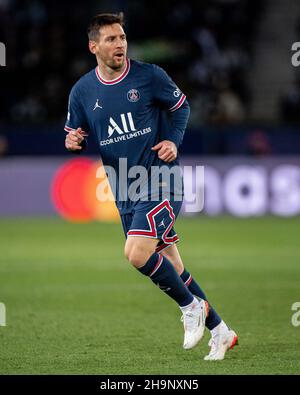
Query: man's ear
x=92 y=46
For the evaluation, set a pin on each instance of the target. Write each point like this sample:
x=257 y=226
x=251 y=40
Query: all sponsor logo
x=123 y=129
x=127 y=125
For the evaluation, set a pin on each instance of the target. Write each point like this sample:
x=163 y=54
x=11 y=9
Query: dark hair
x=102 y=20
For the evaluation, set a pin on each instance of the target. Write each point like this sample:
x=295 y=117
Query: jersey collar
x=116 y=80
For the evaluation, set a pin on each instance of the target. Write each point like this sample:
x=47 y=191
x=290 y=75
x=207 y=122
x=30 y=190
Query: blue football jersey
x=128 y=116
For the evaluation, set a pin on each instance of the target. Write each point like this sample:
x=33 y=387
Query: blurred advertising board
x=238 y=186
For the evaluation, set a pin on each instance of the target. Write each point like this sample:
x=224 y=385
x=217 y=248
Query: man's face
x=111 y=46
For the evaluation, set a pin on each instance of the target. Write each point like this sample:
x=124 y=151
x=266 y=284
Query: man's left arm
x=172 y=138
x=172 y=100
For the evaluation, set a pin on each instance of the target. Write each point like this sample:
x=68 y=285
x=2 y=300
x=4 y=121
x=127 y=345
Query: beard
x=116 y=65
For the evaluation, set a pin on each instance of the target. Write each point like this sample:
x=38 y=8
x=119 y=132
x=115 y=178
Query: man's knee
x=137 y=256
x=138 y=252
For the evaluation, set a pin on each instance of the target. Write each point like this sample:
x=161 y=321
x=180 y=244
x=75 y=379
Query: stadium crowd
x=207 y=46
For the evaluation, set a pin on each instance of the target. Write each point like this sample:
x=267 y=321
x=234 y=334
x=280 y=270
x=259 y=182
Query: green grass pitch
x=75 y=306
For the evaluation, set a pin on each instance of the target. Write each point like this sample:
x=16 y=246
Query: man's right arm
x=75 y=141
x=76 y=125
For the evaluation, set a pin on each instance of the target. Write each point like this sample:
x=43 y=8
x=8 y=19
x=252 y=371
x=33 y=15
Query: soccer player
x=124 y=103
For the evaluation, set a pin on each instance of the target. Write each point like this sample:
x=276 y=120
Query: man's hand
x=167 y=150
x=74 y=139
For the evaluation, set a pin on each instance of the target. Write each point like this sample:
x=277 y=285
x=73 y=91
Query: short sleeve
x=166 y=92
x=76 y=116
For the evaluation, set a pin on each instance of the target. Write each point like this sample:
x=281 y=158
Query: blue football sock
x=213 y=318
x=162 y=273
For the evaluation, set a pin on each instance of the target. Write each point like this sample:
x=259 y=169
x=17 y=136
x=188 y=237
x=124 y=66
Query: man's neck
x=110 y=74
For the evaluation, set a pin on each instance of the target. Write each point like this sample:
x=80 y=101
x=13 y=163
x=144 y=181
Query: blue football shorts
x=154 y=220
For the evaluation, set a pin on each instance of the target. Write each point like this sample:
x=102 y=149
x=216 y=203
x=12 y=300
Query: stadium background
x=63 y=278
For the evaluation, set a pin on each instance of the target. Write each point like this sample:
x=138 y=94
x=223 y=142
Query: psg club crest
x=133 y=95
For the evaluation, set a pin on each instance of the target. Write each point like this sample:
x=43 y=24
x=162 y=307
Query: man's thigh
x=155 y=220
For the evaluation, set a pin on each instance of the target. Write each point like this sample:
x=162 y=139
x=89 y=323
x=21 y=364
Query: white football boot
x=194 y=323
x=223 y=341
